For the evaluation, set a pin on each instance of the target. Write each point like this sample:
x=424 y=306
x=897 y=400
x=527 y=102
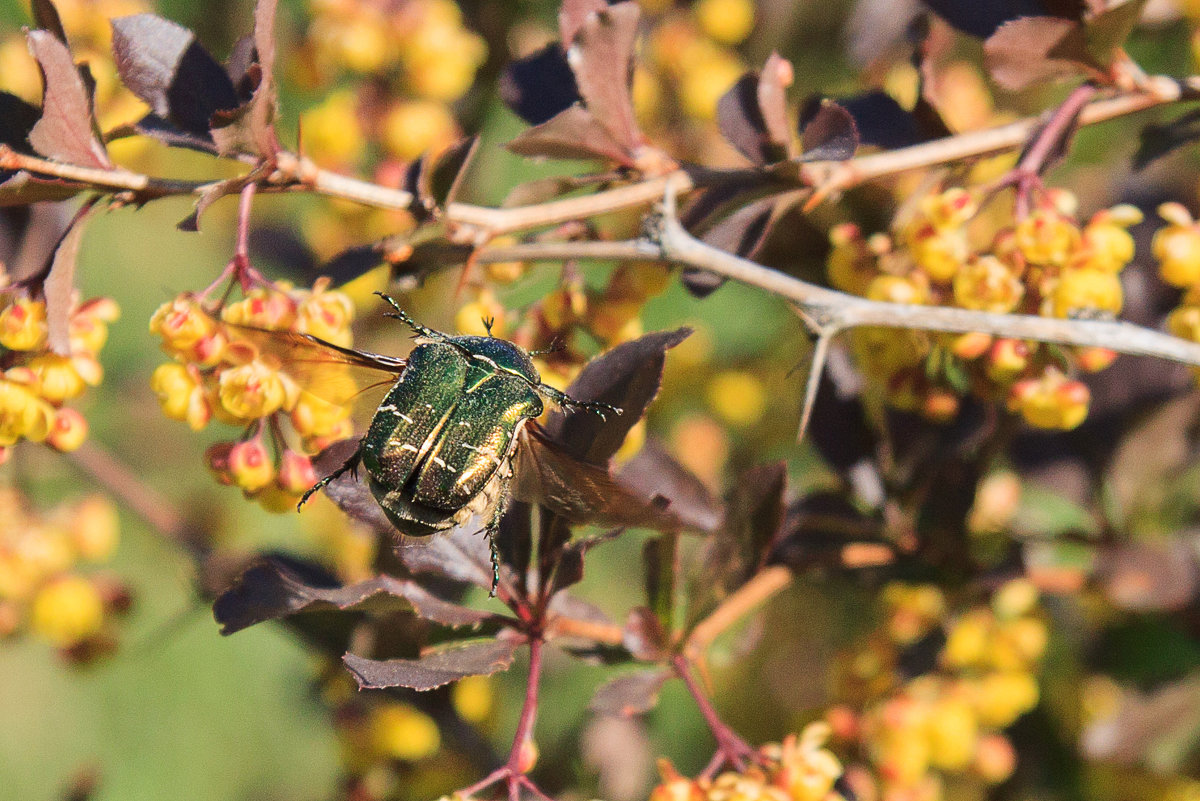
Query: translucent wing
x=582 y=493
x=333 y=373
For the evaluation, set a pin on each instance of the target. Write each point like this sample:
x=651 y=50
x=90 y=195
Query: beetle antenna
x=403 y=317
x=556 y=346
x=488 y=322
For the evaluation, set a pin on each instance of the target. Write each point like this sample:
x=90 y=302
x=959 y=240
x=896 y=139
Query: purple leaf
x=165 y=131
x=571 y=134
x=46 y=18
x=442 y=180
x=269 y=591
x=981 y=17
x=655 y=472
x=752 y=115
x=879 y=120
x=163 y=64
x=601 y=56
x=631 y=694
x=461 y=554
x=65 y=131
x=17 y=119
x=741 y=121
x=479 y=658
x=540 y=85
x=628 y=377
x=830 y=134
x=743 y=232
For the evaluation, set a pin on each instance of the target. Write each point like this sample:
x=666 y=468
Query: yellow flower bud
x=67 y=611
x=23 y=325
x=94 y=528
x=250 y=465
x=400 y=731
x=68 y=432
x=251 y=391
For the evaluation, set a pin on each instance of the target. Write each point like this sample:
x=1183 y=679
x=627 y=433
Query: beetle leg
x=567 y=402
x=402 y=316
x=493 y=529
x=350 y=466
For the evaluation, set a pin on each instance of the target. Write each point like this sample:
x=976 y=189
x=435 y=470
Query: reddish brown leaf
x=65 y=131
x=601 y=56
x=644 y=635
x=269 y=591
x=1150 y=576
x=628 y=377
x=461 y=554
x=571 y=134
x=59 y=286
x=1035 y=49
x=21 y=189
x=777 y=75
x=479 y=658
x=1154 y=729
x=572 y=15
x=1106 y=32
x=631 y=694
x=250 y=128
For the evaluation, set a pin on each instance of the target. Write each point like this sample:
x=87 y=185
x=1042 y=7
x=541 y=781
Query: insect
x=440 y=448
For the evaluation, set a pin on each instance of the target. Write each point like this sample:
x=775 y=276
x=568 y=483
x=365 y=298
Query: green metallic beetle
x=441 y=445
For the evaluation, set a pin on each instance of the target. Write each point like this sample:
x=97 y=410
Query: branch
x=478 y=224
x=831 y=311
x=745 y=600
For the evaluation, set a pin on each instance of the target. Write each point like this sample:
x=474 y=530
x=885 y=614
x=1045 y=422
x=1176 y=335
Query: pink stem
x=730 y=747
x=511 y=772
x=1026 y=176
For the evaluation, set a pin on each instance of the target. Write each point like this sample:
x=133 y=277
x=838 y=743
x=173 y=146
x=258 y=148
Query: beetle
x=440 y=447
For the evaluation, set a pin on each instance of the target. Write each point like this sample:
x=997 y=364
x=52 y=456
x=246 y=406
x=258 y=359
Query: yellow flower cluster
x=800 y=768
x=692 y=60
x=228 y=366
x=947 y=721
x=40 y=586
x=36 y=382
x=420 y=47
x=1046 y=264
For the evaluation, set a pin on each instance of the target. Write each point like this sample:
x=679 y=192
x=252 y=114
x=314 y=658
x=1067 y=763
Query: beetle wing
x=582 y=492
x=407 y=424
x=331 y=372
x=477 y=437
